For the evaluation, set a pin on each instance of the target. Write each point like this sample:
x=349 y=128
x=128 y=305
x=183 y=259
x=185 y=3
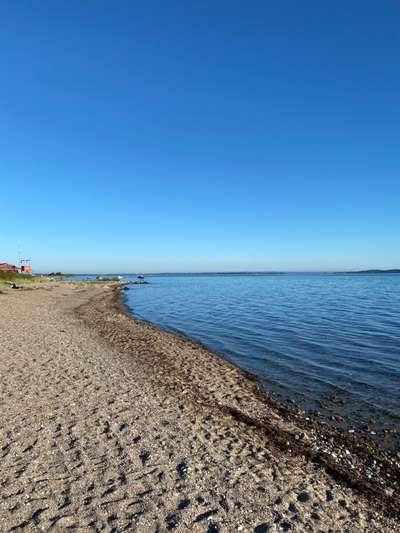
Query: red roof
x=6 y=267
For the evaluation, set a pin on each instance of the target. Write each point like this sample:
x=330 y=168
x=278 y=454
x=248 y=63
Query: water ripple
x=312 y=334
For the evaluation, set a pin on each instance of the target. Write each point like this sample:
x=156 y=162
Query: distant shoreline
x=241 y=273
x=376 y=271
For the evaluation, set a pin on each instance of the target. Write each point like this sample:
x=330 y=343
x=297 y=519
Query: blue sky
x=200 y=136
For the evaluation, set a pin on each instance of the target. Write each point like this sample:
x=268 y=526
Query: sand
x=110 y=424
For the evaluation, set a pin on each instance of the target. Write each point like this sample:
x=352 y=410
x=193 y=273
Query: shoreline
x=330 y=402
x=352 y=459
x=369 y=452
x=111 y=423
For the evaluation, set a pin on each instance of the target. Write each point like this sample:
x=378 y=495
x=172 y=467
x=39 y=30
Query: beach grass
x=14 y=277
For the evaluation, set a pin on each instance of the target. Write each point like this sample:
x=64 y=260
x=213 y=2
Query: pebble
x=183 y=504
x=303 y=497
x=262 y=528
x=171 y=521
x=329 y=495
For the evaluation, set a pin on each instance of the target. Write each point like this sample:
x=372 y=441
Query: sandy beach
x=110 y=424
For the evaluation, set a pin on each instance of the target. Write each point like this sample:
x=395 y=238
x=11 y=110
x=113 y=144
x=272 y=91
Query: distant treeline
x=377 y=271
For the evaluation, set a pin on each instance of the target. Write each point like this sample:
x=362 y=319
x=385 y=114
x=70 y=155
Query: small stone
x=171 y=521
x=303 y=497
x=329 y=495
x=182 y=469
x=262 y=528
x=183 y=504
x=144 y=456
x=205 y=516
x=370 y=462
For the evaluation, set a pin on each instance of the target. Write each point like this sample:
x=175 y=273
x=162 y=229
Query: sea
x=328 y=343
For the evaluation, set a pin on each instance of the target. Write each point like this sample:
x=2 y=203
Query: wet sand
x=110 y=424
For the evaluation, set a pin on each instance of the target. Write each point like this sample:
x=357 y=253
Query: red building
x=6 y=267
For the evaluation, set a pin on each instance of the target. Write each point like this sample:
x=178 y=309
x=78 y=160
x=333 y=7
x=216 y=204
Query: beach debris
x=262 y=528
x=172 y=521
x=182 y=469
x=329 y=495
x=204 y=516
x=224 y=504
x=144 y=456
x=182 y=504
x=303 y=496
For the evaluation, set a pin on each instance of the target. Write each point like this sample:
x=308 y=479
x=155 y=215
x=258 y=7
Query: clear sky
x=200 y=136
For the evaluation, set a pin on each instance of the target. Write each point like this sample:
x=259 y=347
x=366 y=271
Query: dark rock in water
x=262 y=528
x=303 y=497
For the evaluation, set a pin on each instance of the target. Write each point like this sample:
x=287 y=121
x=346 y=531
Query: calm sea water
x=306 y=336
